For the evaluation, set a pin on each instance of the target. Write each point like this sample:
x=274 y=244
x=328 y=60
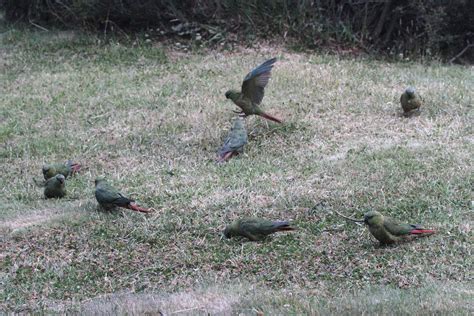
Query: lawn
x=151 y=118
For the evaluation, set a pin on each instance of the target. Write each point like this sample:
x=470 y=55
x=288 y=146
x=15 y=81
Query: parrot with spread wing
x=67 y=169
x=255 y=229
x=410 y=101
x=252 y=92
x=55 y=187
x=388 y=230
x=235 y=141
x=109 y=198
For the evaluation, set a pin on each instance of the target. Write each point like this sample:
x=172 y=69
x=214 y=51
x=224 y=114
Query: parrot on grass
x=109 y=197
x=388 y=230
x=55 y=187
x=235 y=141
x=255 y=229
x=67 y=169
x=410 y=101
x=252 y=92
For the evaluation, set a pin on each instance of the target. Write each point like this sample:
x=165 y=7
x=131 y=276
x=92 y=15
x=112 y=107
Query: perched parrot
x=388 y=230
x=235 y=141
x=109 y=198
x=67 y=169
x=55 y=187
x=253 y=90
x=255 y=229
x=410 y=101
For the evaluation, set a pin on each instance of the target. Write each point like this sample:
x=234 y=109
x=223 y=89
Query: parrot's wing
x=397 y=228
x=122 y=200
x=257 y=226
x=108 y=194
x=236 y=139
x=230 y=144
x=255 y=82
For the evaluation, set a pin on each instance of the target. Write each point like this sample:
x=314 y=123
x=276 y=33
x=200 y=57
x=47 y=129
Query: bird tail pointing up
x=75 y=166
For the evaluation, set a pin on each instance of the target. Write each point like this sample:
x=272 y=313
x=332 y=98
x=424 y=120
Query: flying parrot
x=67 y=169
x=109 y=198
x=55 y=187
x=235 y=141
x=253 y=90
x=255 y=229
x=410 y=101
x=388 y=230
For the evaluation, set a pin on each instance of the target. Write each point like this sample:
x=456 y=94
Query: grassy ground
x=151 y=120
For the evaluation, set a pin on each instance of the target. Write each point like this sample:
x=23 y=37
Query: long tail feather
x=283 y=226
x=286 y=228
x=422 y=231
x=226 y=156
x=271 y=118
x=75 y=167
x=135 y=207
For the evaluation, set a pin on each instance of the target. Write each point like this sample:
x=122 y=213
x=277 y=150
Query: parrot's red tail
x=283 y=226
x=135 y=207
x=226 y=156
x=422 y=231
x=271 y=118
x=286 y=228
x=75 y=167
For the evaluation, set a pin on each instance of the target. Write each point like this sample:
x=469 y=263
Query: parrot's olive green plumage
x=55 y=187
x=255 y=228
x=109 y=197
x=252 y=92
x=388 y=230
x=235 y=141
x=67 y=169
x=410 y=101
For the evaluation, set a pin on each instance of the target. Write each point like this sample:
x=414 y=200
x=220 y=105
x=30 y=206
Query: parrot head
x=232 y=94
x=60 y=178
x=228 y=231
x=410 y=91
x=49 y=171
x=373 y=218
x=99 y=180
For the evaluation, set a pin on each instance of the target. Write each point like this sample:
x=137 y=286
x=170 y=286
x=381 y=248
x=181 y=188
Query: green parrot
x=67 y=169
x=235 y=141
x=255 y=229
x=109 y=198
x=410 y=101
x=388 y=230
x=55 y=187
x=253 y=90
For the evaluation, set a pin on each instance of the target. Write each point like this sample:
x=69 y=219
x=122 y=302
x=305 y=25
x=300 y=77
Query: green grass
x=151 y=120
